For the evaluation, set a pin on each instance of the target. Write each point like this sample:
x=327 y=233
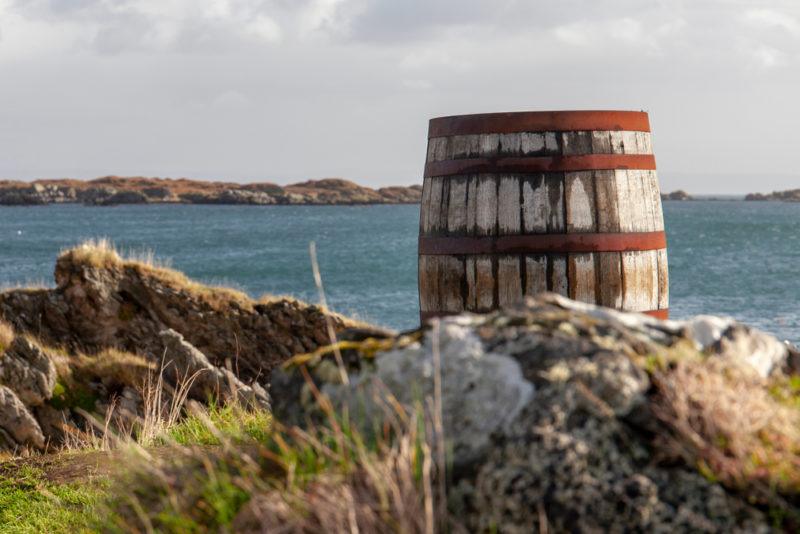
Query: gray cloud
x=286 y=90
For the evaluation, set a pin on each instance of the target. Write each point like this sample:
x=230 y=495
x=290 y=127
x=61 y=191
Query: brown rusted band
x=587 y=162
x=658 y=314
x=542 y=243
x=539 y=121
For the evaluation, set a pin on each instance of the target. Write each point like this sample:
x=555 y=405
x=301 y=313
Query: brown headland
x=112 y=190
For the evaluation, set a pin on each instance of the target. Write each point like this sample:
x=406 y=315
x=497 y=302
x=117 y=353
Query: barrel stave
x=580 y=202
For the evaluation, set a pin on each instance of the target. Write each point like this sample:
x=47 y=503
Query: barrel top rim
x=539 y=121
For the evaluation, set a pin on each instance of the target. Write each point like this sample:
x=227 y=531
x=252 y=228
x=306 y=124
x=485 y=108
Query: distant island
x=113 y=190
x=680 y=194
x=790 y=195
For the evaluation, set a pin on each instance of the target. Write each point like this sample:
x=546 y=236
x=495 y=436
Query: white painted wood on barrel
x=508 y=208
x=472 y=203
x=559 y=282
x=651 y=200
x=551 y=145
x=538 y=144
x=531 y=143
x=663 y=280
x=535 y=274
x=457 y=205
x=424 y=205
x=457 y=147
x=637 y=202
x=582 y=277
x=509 y=144
x=556 y=219
x=626 y=210
x=643 y=143
x=486 y=216
x=440 y=147
x=640 y=280
x=601 y=142
x=509 y=280
x=535 y=208
x=489 y=145
x=616 y=142
x=655 y=202
x=605 y=184
x=580 y=202
x=630 y=144
x=651 y=269
x=434 y=219
x=632 y=295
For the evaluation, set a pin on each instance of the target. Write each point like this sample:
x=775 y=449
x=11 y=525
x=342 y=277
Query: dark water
x=726 y=257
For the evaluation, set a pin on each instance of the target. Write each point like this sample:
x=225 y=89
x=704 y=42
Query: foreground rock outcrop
x=570 y=418
x=88 y=344
x=554 y=416
x=112 y=190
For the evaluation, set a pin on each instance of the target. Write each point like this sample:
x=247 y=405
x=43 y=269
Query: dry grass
x=102 y=254
x=382 y=494
x=30 y=286
x=322 y=480
x=99 y=253
x=724 y=420
x=115 y=366
x=6 y=336
x=162 y=409
x=163 y=405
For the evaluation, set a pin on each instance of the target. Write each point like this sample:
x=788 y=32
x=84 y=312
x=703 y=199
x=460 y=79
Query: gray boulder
x=183 y=361
x=18 y=428
x=481 y=392
x=29 y=371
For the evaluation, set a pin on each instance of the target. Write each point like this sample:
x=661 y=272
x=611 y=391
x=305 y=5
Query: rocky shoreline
x=114 y=190
x=680 y=194
x=790 y=195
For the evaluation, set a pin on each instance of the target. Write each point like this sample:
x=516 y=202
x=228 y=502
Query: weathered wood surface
x=485 y=205
x=538 y=144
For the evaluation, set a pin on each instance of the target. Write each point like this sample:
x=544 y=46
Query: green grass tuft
x=231 y=422
x=29 y=504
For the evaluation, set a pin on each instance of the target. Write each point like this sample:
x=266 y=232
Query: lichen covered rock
x=481 y=392
x=567 y=417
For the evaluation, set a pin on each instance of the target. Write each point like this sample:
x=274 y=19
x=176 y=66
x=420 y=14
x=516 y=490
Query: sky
x=288 y=90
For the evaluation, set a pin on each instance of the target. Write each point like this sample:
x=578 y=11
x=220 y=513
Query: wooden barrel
x=517 y=204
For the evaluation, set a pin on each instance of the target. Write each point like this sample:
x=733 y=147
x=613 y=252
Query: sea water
x=726 y=257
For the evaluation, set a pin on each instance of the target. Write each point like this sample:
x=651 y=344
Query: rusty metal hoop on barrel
x=516 y=204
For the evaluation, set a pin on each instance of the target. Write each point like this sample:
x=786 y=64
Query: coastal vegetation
x=133 y=399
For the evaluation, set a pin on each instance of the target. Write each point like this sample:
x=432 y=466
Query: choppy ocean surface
x=726 y=257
